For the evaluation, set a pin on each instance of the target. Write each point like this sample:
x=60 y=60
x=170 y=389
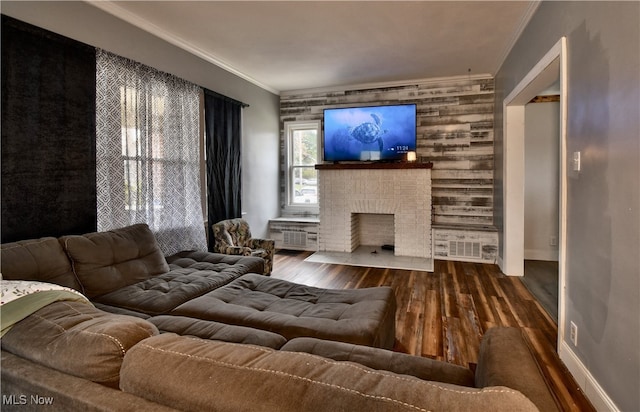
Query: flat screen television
x=371 y=133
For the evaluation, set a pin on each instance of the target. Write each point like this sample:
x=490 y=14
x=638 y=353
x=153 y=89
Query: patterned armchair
x=233 y=237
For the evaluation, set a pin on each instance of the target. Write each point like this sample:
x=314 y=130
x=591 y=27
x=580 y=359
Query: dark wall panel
x=48 y=134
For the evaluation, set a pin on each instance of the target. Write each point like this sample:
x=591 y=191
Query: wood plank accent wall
x=455 y=132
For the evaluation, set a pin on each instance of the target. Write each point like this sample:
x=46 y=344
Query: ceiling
x=294 y=45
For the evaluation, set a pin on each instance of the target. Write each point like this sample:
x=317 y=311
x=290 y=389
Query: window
x=143 y=155
x=302 y=143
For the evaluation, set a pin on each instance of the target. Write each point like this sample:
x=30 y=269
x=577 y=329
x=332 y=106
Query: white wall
x=542 y=125
x=83 y=22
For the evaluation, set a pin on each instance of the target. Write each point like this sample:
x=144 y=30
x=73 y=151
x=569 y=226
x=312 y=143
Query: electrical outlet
x=553 y=241
x=574 y=334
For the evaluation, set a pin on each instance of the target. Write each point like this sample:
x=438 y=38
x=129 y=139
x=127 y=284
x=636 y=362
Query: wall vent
x=294 y=238
x=465 y=249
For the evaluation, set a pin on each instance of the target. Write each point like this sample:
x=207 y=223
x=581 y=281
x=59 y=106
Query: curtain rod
x=227 y=98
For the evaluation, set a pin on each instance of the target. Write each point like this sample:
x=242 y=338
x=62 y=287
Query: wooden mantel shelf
x=374 y=165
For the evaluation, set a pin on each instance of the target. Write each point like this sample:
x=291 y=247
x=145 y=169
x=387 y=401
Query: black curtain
x=223 y=122
x=48 y=134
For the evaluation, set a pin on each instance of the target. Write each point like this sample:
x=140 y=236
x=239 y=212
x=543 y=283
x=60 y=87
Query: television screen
x=369 y=133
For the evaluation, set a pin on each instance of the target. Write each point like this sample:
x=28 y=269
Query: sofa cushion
x=195 y=374
x=362 y=316
x=186 y=279
x=207 y=329
x=249 y=264
x=106 y=261
x=78 y=339
x=381 y=359
x=38 y=259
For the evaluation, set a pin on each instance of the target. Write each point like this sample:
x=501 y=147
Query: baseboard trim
x=591 y=388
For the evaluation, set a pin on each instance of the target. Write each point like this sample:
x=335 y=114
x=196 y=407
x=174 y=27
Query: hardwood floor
x=541 y=278
x=443 y=315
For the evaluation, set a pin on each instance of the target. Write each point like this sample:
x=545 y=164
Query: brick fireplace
x=397 y=195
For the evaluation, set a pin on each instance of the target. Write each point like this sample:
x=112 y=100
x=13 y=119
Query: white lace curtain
x=148 y=152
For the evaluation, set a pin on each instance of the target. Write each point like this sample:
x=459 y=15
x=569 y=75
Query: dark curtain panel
x=223 y=139
x=48 y=134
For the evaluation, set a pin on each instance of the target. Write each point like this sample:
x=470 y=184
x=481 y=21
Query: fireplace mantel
x=374 y=165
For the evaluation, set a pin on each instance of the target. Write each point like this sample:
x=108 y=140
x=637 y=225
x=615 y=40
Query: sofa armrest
x=77 y=339
x=23 y=380
x=506 y=360
x=236 y=250
x=266 y=244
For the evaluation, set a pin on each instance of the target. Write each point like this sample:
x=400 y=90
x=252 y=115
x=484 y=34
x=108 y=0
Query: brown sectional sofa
x=123 y=271
x=198 y=331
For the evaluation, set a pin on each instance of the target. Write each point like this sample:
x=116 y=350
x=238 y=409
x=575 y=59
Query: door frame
x=551 y=67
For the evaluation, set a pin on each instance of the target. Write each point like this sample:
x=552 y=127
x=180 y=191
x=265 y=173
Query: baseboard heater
x=465 y=249
x=294 y=238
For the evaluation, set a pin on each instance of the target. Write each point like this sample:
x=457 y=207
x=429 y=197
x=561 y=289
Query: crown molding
x=522 y=24
x=380 y=85
x=135 y=20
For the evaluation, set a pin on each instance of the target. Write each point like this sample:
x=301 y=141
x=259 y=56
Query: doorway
x=551 y=68
x=541 y=202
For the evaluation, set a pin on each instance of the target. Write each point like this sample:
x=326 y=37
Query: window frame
x=144 y=156
x=289 y=129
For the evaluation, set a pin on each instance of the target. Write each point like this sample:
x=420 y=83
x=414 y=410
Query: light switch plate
x=576 y=161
